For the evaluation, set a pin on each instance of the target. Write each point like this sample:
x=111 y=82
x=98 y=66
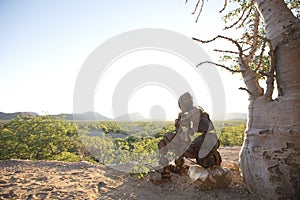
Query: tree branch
x=246 y=57
x=241 y=17
x=225 y=51
x=261 y=54
x=254 y=44
x=270 y=84
x=222 y=37
x=245 y=89
x=224 y=7
x=240 y=50
x=270 y=74
x=200 y=11
x=252 y=84
x=245 y=18
x=196 y=7
x=223 y=66
x=248 y=48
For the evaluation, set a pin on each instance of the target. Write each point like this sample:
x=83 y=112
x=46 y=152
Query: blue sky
x=44 y=43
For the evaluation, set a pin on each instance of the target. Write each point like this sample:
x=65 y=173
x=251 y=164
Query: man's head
x=185 y=102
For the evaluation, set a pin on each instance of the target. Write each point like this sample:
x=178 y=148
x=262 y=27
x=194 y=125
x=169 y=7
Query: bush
x=67 y=157
x=232 y=133
x=38 y=138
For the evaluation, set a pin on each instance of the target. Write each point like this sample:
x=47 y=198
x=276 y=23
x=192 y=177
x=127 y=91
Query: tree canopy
x=254 y=54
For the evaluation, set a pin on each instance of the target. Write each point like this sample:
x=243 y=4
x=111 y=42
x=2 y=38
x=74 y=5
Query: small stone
x=42 y=195
x=48 y=188
x=101 y=185
x=14 y=178
x=31 y=197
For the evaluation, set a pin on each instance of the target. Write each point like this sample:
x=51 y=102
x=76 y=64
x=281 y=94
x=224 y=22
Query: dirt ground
x=23 y=179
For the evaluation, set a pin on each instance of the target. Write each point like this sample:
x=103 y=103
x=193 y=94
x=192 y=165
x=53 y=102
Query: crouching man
x=203 y=149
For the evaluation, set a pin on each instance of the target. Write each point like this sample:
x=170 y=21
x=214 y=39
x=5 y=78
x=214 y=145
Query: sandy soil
x=22 y=179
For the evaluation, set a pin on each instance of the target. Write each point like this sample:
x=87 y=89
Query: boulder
x=207 y=179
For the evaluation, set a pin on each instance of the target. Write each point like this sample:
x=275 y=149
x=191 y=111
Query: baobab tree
x=269 y=49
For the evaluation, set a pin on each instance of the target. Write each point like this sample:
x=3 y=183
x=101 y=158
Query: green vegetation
x=232 y=134
x=48 y=138
x=39 y=138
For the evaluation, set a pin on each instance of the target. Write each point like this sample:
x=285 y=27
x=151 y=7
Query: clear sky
x=44 y=44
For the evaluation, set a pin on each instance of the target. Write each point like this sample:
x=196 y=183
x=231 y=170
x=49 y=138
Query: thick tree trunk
x=270 y=156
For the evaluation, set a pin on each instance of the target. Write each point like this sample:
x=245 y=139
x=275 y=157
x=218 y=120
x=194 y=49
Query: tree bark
x=270 y=156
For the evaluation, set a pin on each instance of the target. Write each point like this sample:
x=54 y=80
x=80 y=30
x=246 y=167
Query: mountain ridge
x=93 y=116
x=87 y=116
x=131 y=117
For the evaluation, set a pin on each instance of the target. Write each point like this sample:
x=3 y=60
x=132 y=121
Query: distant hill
x=235 y=116
x=9 y=116
x=87 y=116
x=132 y=117
x=92 y=116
